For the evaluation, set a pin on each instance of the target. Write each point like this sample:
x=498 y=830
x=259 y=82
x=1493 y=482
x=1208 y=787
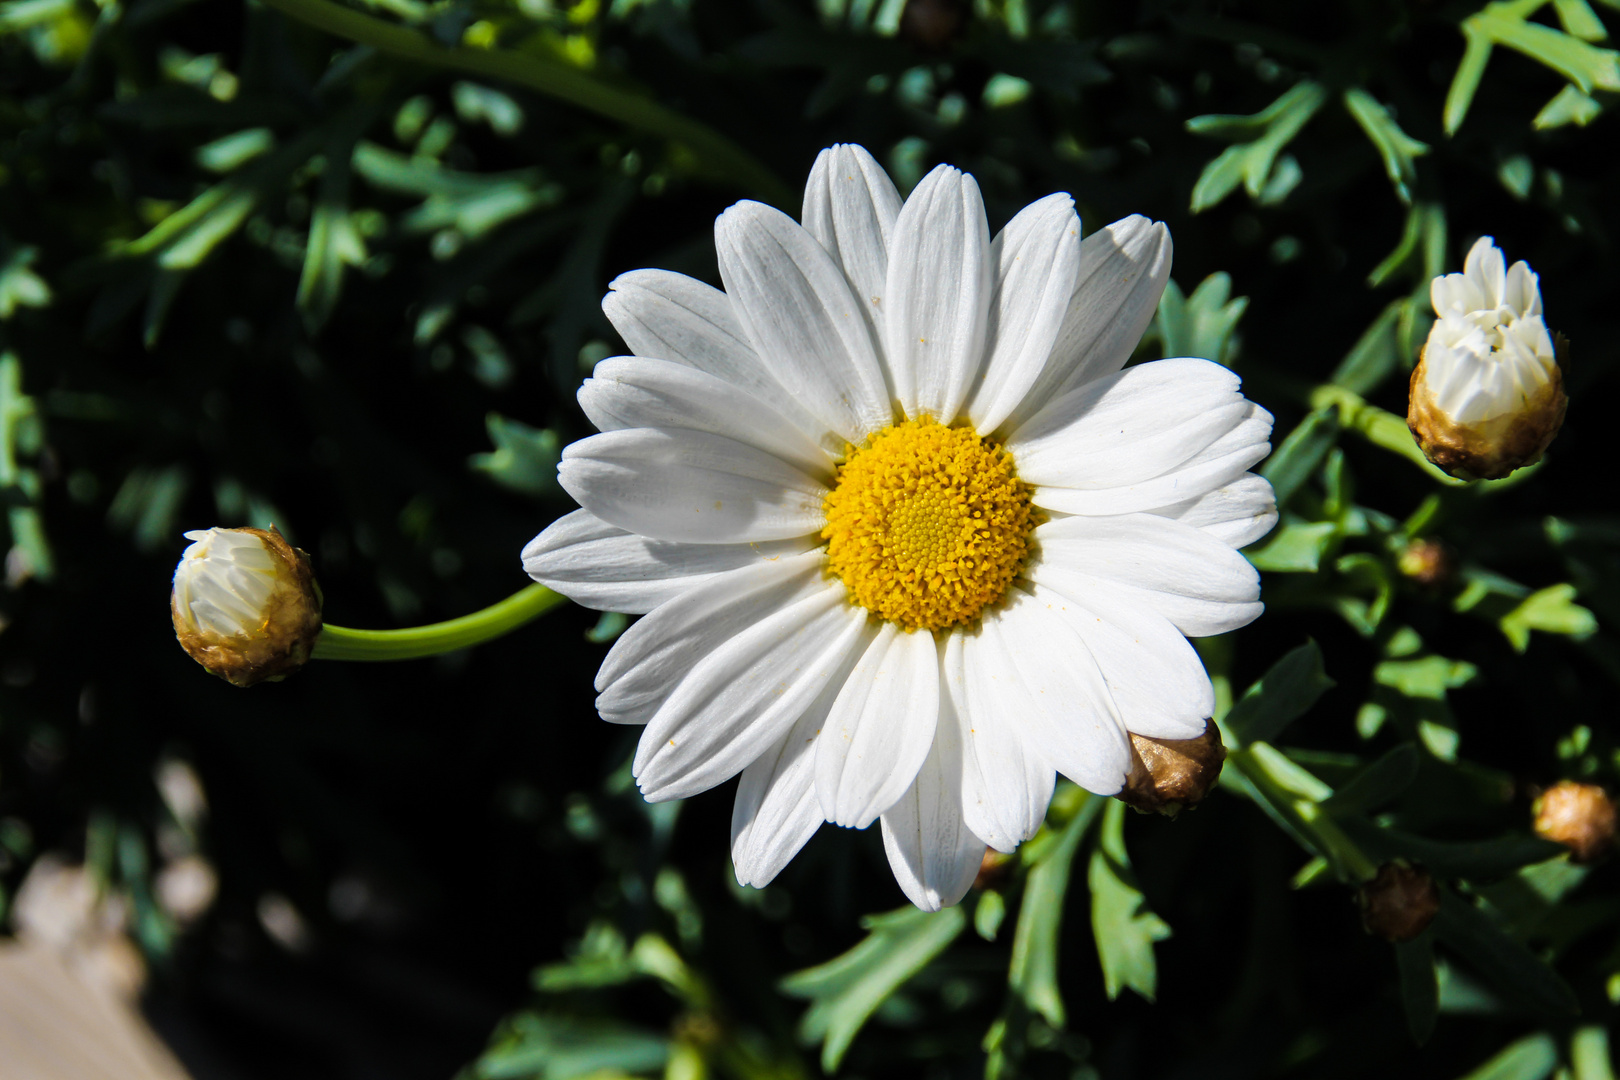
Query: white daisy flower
x=1487 y=395
x=909 y=542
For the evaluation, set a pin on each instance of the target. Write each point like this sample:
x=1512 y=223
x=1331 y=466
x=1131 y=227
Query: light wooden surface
x=57 y=1025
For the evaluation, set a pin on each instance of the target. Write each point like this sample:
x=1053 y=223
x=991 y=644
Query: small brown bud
x=1170 y=774
x=931 y=24
x=1426 y=562
x=245 y=604
x=1579 y=816
x=1399 y=903
x=993 y=869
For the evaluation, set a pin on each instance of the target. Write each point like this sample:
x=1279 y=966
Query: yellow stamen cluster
x=927 y=525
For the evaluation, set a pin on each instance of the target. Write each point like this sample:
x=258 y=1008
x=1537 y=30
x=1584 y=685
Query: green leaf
x=1427 y=677
x=1251 y=162
x=1292 y=463
x=1121 y=922
x=1533 y=1057
x=1467 y=78
x=1373 y=356
x=1295 y=548
x=1589 y=1054
x=1551 y=610
x=602 y=960
x=333 y=243
x=1420 y=985
x=1514 y=969
x=1378 y=783
x=1032 y=976
x=1579 y=20
x=1475 y=860
x=553 y=1046
x=988 y=914
x=1569 y=106
x=231 y=152
x=524 y=459
x=845 y=991
x=1283 y=694
x=20 y=286
x=1398 y=149
x=1203 y=324
x=1587 y=66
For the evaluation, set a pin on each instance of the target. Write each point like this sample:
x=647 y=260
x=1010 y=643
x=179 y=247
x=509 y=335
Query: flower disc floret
x=927 y=525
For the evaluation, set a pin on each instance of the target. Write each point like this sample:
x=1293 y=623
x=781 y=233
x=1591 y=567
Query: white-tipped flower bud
x=245 y=604
x=1487 y=395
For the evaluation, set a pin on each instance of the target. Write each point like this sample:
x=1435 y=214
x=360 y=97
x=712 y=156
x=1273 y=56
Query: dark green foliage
x=338 y=268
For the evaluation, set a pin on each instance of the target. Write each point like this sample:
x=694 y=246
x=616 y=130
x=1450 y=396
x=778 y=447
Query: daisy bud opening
x=1168 y=775
x=1579 y=816
x=1487 y=395
x=1399 y=903
x=245 y=604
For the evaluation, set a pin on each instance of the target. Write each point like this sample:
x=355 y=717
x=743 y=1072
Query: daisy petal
x=1006 y=785
x=1153 y=672
x=938 y=292
x=1123 y=270
x=1193 y=579
x=739 y=700
x=670 y=484
x=1035 y=260
x=635 y=392
x=933 y=854
x=802 y=317
x=1215 y=466
x=880 y=727
x=1047 y=678
x=601 y=566
x=1128 y=427
x=1238 y=514
x=651 y=657
x=850 y=205
x=776 y=810
x=673 y=317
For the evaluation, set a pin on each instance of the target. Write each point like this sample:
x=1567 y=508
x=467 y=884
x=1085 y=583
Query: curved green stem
x=1377 y=426
x=342 y=643
x=723 y=157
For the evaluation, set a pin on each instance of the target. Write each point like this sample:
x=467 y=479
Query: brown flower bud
x=1399 y=903
x=993 y=869
x=1579 y=816
x=1487 y=395
x=931 y=24
x=1426 y=562
x=245 y=604
x=1169 y=774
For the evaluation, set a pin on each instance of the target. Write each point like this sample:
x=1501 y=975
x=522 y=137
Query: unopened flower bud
x=1426 y=562
x=245 y=604
x=1579 y=816
x=994 y=868
x=1170 y=774
x=1399 y=903
x=1487 y=395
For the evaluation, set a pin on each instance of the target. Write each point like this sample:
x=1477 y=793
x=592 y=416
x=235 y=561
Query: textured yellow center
x=927 y=525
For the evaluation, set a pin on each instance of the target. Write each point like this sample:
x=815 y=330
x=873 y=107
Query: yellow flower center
x=927 y=525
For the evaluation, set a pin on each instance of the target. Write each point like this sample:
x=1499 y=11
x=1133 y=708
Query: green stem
x=1305 y=816
x=1377 y=426
x=342 y=643
x=723 y=157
